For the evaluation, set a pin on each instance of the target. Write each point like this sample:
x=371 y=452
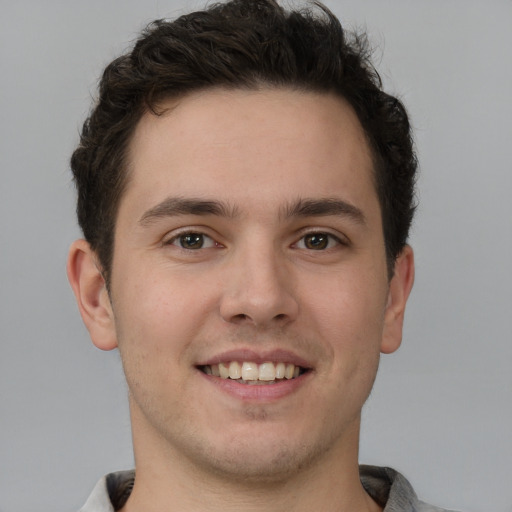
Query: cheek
x=156 y=298
x=348 y=319
x=159 y=314
x=350 y=309
x=152 y=338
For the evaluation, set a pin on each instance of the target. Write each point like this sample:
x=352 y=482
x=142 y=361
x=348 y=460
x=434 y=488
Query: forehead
x=249 y=145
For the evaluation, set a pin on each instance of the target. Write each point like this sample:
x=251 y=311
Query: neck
x=167 y=481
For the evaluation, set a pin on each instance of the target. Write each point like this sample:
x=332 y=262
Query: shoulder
x=110 y=493
x=392 y=490
x=425 y=507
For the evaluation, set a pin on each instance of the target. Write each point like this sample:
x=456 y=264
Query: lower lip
x=258 y=392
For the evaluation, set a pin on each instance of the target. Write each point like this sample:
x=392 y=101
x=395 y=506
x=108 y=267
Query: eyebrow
x=324 y=207
x=173 y=206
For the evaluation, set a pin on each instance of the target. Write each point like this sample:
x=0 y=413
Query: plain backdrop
x=441 y=410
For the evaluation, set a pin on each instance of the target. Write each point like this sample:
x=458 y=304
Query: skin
x=258 y=286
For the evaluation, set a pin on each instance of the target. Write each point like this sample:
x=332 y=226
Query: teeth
x=235 y=372
x=267 y=371
x=280 y=370
x=251 y=373
x=223 y=371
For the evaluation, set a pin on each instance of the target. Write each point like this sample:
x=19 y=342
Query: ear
x=91 y=295
x=399 y=288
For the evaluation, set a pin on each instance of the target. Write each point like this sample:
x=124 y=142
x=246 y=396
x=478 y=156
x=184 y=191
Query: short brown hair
x=240 y=44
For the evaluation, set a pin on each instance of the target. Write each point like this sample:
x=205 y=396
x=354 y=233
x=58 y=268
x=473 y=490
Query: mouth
x=250 y=373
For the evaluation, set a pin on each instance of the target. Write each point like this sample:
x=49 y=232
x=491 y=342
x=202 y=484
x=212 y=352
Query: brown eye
x=317 y=241
x=192 y=241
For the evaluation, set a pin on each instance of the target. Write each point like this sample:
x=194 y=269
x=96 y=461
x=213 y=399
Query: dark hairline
x=298 y=49
x=161 y=107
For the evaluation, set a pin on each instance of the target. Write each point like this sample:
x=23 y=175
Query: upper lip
x=259 y=357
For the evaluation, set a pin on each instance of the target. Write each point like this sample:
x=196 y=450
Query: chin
x=255 y=460
x=253 y=469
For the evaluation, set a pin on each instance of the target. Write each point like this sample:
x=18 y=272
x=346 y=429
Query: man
x=245 y=189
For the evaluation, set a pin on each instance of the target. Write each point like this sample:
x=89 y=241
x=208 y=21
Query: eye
x=192 y=241
x=318 y=241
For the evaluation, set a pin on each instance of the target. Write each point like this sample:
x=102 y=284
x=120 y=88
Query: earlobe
x=399 y=289
x=91 y=295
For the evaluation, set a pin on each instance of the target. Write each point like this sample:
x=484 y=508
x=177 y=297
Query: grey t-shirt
x=385 y=485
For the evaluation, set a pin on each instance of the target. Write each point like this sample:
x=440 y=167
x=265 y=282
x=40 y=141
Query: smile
x=254 y=374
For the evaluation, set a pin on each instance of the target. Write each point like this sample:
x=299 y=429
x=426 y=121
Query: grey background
x=441 y=411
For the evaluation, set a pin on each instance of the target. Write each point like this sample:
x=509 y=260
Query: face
x=249 y=293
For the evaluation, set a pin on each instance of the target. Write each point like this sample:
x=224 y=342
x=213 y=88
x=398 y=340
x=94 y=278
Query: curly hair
x=245 y=44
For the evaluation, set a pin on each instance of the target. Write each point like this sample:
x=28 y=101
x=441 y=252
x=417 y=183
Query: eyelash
x=177 y=238
x=330 y=240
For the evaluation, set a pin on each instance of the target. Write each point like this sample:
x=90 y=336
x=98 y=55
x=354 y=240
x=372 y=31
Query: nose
x=258 y=289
